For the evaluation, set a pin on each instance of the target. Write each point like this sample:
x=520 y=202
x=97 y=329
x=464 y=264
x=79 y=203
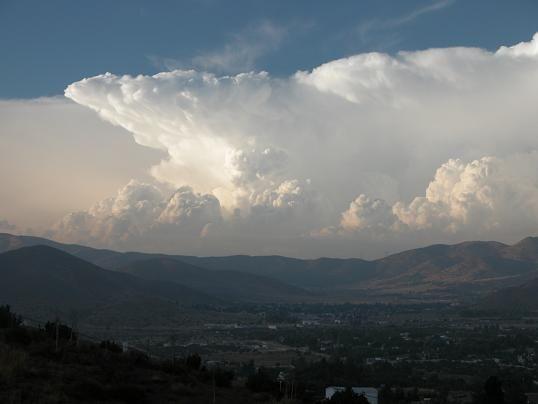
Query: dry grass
x=12 y=362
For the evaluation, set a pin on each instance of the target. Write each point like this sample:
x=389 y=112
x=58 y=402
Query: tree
x=261 y=381
x=193 y=361
x=493 y=393
x=348 y=396
x=7 y=318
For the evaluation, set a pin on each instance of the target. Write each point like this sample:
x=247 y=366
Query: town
x=435 y=353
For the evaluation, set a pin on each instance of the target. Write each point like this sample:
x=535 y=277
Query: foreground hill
x=35 y=367
x=231 y=285
x=463 y=269
x=42 y=279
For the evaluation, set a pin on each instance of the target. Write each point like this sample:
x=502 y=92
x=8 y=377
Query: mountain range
x=462 y=270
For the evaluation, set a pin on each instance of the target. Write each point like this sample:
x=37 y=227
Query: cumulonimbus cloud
x=374 y=125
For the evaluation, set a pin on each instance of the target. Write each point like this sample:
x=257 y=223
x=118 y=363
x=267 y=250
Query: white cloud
x=367 y=213
x=486 y=196
x=296 y=151
x=113 y=221
x=529 y=49
x=140 y=211
x=253 y=166
x=490 y=196
x=186 y=208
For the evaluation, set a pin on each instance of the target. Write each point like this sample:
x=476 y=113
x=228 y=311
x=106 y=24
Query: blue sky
x=46 y=45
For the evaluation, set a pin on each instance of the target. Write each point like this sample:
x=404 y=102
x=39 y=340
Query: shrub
x=128 y=393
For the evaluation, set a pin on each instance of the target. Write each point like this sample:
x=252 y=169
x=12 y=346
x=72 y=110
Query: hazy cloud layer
x=5 y=226
x=57 y=156
x=430 y=145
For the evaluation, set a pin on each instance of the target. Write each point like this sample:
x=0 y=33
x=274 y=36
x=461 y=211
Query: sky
x=305 y=128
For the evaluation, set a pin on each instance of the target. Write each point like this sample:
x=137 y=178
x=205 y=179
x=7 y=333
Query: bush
x=87 y=389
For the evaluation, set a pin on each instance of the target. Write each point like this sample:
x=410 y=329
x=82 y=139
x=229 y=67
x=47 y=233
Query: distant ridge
x=231 y=285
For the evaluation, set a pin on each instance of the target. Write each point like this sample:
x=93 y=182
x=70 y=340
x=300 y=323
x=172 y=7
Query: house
x=369 y=392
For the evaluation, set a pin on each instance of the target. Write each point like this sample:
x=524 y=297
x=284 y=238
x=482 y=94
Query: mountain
x=318 y=273
x=231 y=285
x=460 y=269
x=463 y=267
x=481 y=264
x=41 y=279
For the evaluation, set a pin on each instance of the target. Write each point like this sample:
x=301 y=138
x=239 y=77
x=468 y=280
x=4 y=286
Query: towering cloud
x=138 y=211
x=490 y=196
x=348 y=148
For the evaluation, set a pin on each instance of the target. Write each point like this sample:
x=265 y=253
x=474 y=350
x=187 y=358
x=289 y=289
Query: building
x=532 y=398
x=369 y=392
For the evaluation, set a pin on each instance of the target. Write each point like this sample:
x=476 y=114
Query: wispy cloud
x=366 y=28
x=241 y=53
x=414 y=14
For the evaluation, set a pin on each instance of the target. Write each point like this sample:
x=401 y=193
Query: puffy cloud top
x=522 y=49
x=483 y=196
x=367 y=213
x=186 y=206
x=138 y=211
